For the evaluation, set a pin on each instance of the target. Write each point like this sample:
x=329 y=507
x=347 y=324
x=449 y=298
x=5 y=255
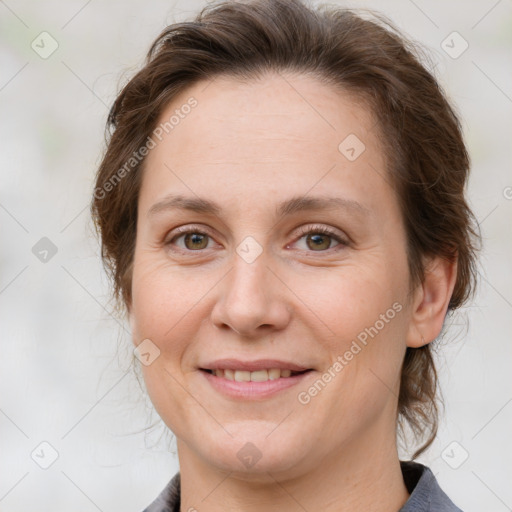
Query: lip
x=253 y=390
x=252 y=366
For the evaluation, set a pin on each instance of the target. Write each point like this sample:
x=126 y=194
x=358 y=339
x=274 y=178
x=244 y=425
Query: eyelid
x=320 y=228
x=302 y=231
x=188 y=228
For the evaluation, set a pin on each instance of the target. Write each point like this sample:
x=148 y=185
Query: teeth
x=242 y=376
x=274 y=374
x=257 y=376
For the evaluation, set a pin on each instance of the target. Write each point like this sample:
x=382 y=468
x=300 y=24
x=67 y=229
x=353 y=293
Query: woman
x=281 y=207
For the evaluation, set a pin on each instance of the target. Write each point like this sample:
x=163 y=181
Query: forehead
x=278 y=131
x=274 y=107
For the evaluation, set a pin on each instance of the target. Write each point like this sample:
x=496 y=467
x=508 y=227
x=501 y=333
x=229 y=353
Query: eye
x=319 y=238
x=193 y=239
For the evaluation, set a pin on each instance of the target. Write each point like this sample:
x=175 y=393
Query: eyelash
x=304 y=230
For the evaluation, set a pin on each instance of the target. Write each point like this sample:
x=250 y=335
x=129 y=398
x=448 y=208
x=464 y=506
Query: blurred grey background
x=68 y=401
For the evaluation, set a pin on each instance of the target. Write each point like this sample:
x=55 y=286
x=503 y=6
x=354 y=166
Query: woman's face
x=259 y=281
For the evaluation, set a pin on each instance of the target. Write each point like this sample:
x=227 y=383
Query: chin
x=252 y=453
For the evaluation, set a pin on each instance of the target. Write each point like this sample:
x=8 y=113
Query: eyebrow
x=288 y=207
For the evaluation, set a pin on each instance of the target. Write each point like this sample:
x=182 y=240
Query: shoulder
x=169 y=499
x=425 y=493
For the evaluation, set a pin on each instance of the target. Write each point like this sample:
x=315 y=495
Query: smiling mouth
x=255 y=376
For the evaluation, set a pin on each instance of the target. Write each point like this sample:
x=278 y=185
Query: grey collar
x=425 y=493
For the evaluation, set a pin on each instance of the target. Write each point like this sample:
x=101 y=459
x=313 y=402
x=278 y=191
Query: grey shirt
x=425 y=493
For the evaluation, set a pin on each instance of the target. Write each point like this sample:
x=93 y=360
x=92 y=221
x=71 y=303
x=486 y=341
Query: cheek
x=161 y=297
x=353 y=300
x=364 y=371
x=163 y=311
x=365 y=317
x=168 y=307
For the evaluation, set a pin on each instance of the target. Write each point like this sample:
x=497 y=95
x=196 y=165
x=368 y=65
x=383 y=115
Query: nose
x=252 y=299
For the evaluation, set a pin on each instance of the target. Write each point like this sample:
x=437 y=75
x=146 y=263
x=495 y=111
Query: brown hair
x=427 y=160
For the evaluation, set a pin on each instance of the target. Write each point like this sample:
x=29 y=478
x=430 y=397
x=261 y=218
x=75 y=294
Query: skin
x=248 y=147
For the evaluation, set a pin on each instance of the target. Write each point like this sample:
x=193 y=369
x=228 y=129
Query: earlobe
x=431 y=301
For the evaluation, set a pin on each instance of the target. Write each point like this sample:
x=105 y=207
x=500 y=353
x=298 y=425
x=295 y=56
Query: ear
x=431 y=300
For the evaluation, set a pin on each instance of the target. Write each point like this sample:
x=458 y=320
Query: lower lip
x=253 y=390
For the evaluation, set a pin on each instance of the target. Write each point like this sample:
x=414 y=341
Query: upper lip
x=251 y=366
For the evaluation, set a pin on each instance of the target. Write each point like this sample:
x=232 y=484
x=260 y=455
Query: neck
x=362 y=476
